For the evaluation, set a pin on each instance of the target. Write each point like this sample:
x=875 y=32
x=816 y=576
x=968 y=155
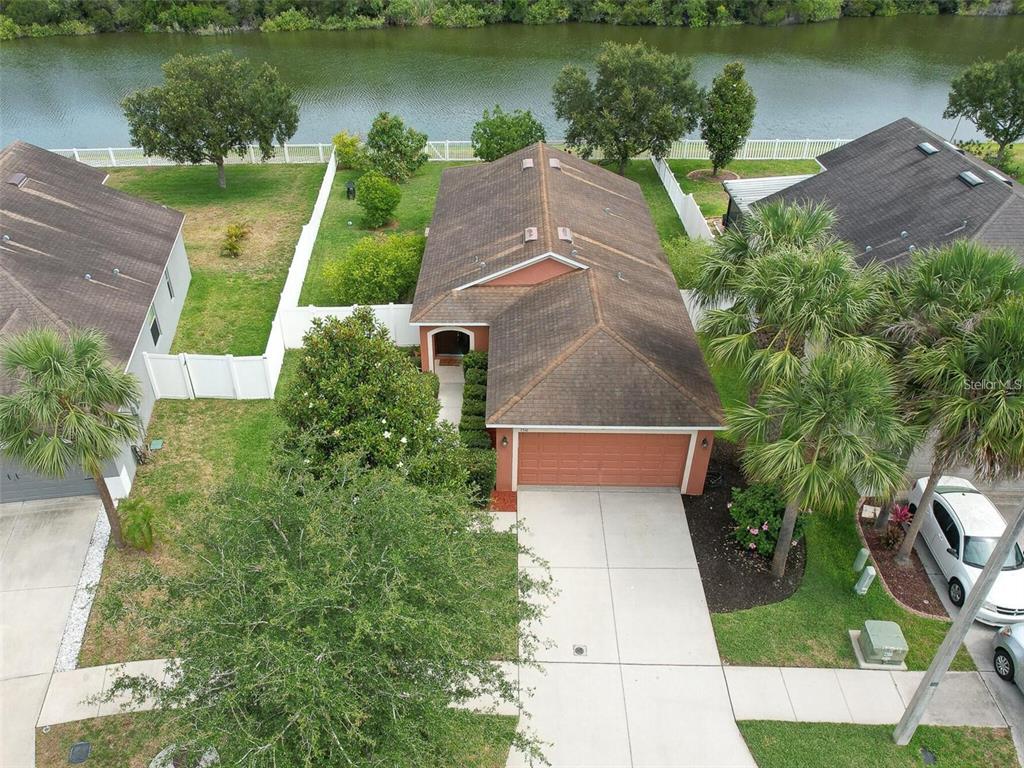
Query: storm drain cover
x=79 y=752
x=928 y=756
x=579 y=650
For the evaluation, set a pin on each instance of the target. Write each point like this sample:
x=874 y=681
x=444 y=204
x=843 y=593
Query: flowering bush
x=893 y=535
x=757 y=512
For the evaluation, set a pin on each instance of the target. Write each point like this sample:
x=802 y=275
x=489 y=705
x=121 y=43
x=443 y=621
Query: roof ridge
x=998 y=211
x=545 y=199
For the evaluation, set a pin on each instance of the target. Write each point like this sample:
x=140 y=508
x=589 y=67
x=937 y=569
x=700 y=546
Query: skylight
x=971 y=179
x=998 y=176
x=928 y=148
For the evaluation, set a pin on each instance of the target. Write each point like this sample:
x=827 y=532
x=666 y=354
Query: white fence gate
x=686 y=207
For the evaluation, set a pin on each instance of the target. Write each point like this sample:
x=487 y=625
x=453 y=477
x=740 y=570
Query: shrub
x=8 y=29
x=482 y=466
x=475 y=439
x=472 y=423
x=474 y=359
x=192 y=17
x=393 y=149
x=136 y=523
x=894 y=532
x=348 y=151
x=235 y=234
x=547 y=12
x=685 y=257
x=757 y=512
x=457 y=15
x=376 y=270
x=500 y=133
x=473 y=407
x=378 y=196
x=435 y=383
x=288 y=21
x=476 y=376
x=475 y=391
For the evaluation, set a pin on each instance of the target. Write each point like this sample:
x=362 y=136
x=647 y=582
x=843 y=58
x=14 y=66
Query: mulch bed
x=704 y=174
x=504 y=501
x=734 y=578
x=911 y=585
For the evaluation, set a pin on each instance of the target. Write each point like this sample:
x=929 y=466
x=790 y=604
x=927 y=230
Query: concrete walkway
x=74 y=695
x=632 y=676
x=450 y=393
x=43 y=545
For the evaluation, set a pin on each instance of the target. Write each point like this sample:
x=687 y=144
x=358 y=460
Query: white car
x=960 y=530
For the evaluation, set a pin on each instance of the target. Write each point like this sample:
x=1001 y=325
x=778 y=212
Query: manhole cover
x=928 y=756
x=79 y=752
x=579 y=650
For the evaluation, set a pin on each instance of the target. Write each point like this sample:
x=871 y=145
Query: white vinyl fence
x=297 y=321
x=454 y=151
x=686 y=207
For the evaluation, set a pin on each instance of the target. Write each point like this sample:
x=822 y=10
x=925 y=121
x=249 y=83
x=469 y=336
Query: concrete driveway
x=632 y=676
x=42 y=548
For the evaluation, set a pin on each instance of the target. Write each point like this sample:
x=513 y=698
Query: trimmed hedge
x=474 y=359
x=474 y=438
x=483 y=471
x=435 y=383
x=473 y=407
x=476 y=376
x=474 y=392
x=472 y=423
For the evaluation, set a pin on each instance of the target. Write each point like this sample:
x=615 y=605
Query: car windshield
x=978 y=549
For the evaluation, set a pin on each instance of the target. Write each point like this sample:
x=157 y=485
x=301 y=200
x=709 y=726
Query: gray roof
x=882 y=186
x=607 y=344
x=746 y=192
x=58 y=223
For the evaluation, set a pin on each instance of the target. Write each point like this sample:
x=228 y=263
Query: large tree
x=500 y=133
x=209 y=107
x=334 y=622
x=825 y=438
x=393 y=149
x=991 y=95
x=956 y=324
x=727 y=115
x=641 y=101
x=70 y=407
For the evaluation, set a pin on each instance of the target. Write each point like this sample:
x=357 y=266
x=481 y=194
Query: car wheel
x=1004 y=665
x=956 y=593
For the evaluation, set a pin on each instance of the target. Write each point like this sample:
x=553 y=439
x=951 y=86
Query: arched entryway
x=448 y=345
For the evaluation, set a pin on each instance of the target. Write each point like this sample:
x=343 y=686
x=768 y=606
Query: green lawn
x=131 y=741
x=834 y=745
x=666 y=220
x=810 y=628
x=231 y=302
x=337 y=235
x=729 y=379
x=710 y=195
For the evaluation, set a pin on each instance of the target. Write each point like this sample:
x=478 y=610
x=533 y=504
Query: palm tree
x=765 y=229
x=70 y=407
x=790 y=302
x=968 y=389
x=825 y=438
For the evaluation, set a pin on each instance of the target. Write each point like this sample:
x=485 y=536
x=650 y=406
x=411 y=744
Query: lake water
x=830 y=80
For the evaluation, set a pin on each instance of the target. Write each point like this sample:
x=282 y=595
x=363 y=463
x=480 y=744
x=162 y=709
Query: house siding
x=533 y=274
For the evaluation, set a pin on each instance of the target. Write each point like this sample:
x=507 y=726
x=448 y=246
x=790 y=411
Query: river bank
x=38 y=19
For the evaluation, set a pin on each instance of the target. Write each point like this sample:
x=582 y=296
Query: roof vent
x=971 y=179
x=527 y=163
x=999 y=177
x=554 y=162
x=530 y=234
x=564 y=233
x=927 y=148
x=17 y=179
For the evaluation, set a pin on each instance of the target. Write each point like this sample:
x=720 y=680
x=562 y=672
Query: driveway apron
x=631 y=675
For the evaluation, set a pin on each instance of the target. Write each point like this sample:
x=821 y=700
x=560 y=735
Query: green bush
x=500 y=133
x=757 y=512
x=459 y=15
x=290 y=20
x=482 y=465
x=378 y=196
x=472 y=423
x=192 y=17
x=8 y=29
x=474 y=438
x=473 y=407
x=348 y=151
x=376 y=270
x=685 y=257
x=474 y=359
x=476 y=376
x=435 y=383
x=234 y=236
x=547 y=12
x=136 y=523
x=394 y=150
x=475 y=391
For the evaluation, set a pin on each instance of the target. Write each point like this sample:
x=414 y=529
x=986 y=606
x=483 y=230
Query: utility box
x=882 y=642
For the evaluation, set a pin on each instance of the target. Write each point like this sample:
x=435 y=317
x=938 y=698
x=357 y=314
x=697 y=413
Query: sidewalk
x=73 y=695
x=867 y=697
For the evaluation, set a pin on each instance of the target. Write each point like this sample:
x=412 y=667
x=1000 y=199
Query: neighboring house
x=898 y=189
x=75 y=253
x=553 y=266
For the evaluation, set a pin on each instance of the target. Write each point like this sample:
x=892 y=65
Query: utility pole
x=944 y=656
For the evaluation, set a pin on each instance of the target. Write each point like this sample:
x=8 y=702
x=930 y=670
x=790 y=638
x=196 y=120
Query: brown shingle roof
x=609 y=344
x=62 y=223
